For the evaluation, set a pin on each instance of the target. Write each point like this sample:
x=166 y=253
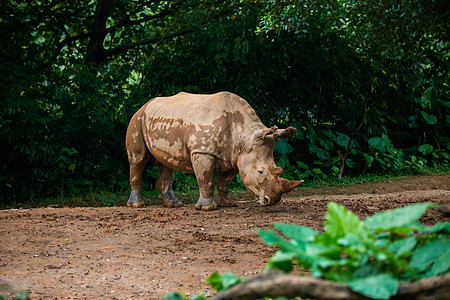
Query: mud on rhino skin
x=202 y=134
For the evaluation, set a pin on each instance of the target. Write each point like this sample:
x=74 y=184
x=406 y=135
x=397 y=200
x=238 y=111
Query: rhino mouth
x=265 y=200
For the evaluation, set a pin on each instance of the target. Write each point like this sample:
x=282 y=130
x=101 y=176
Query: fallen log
x=276 y=284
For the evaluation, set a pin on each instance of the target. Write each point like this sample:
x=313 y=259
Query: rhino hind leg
x=164 y=186
x=138 y=156
x=203 y=165
x=223 y=185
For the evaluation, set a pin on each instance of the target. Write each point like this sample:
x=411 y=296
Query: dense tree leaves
x=352 y=76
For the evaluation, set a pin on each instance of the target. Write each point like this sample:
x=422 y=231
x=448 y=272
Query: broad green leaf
x=377 y=143
x=321 y=153
x=340 y=221
x=441 y=265
x=283 y=162
x=302 y=165
x=269 y=237
x=327 y=144
x=369 y=160
x=432 y=251
x=413 y=122
x=324 y=256
x=215 y=282
x=282 y=147
x=404 y=230
x=399 y=217
x=222 y=282
x=439 y=227
x=173 y=296
x=281 y=261
x=353 y=241
x=335 y=170
x=380 y=286
x=201 y=296
x=229 y=279
x=329 y=134
x=430 y=119
x=425 y=149
x=274 y=240
x=342 y=139
x=339 y=274
x=317 y=170
x=402 y=246
x=350 y=163
x=296 y=232
x=428 y=97
x=366 y=270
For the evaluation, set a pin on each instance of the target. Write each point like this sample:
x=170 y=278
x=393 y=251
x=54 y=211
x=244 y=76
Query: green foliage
x=223 y=282
x=218 y=282
x=372 y=256
x=109 y=200
x=69 y=85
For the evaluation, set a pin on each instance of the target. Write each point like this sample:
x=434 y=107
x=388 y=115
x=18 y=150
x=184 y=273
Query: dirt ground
x=125 y=253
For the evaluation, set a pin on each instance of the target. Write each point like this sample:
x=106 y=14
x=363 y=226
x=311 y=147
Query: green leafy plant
x=223 y=282
x=219 y=282
x=371 y=256
x=108 y=200
x=73 y=91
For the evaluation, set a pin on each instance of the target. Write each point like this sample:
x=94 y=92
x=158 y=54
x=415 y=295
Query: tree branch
x=128 y=22
x=277 y=284
x=124 y=48
x=95 y=51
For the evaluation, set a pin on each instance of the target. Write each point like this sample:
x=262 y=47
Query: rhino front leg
x=223 y=185
x=203 y=165
x=164 y=186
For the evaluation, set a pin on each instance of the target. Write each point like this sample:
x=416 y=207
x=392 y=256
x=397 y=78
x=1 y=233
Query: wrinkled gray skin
x=203 y=134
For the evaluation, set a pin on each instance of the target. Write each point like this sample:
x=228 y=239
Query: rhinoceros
x=202 y=134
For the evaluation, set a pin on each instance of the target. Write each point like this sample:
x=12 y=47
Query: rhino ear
x=282 y=134
x=269 y=131
x=279 y=134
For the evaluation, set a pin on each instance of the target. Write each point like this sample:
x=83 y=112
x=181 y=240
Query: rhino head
x=259 y=174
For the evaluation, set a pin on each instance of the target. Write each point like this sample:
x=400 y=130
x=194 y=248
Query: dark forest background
x=366 y=83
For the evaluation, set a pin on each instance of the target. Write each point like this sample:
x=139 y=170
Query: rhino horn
x=288 y=185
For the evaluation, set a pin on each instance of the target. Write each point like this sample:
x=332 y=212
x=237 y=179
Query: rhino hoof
x=169 y=204
x=206 y=207
x=138 y=204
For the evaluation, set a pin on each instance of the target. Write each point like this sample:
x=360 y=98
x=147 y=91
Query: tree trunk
x=95 y=51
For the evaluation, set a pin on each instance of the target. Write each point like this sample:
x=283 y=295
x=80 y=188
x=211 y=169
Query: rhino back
x=176 y=127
